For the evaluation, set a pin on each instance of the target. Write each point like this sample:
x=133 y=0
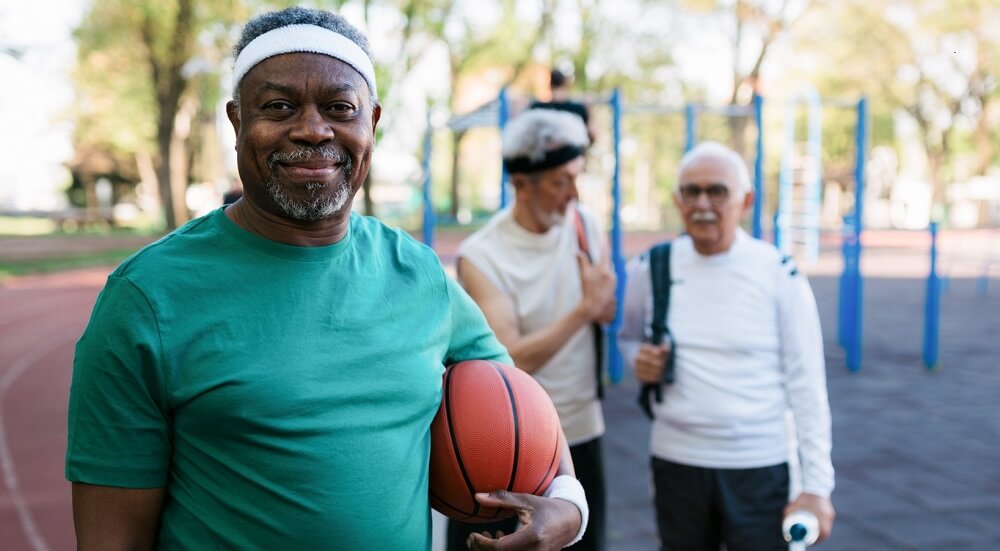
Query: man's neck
x=288 y=231
x=526 y=219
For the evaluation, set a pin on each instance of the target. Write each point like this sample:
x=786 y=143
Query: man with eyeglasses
x=745 y=350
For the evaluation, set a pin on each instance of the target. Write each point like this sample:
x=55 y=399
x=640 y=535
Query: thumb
x=582 y=260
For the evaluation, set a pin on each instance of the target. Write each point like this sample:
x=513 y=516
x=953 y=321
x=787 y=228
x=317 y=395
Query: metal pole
x=690 y=127
x=428 y=234
x=854 y=352
x=814 y=185
x=932 y=306
x=785 y=212
x=614 y=355
x=503 y=115
x=758 y=167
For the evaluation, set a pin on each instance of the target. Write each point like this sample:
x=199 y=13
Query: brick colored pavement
x=917 y=453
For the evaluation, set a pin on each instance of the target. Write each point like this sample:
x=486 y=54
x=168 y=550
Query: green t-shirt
x=283 y=395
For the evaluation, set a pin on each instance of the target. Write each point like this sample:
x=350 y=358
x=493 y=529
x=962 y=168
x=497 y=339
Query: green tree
x=934 y=62
x=147 y=70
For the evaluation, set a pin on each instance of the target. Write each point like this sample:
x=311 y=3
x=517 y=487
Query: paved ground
x=917 y=453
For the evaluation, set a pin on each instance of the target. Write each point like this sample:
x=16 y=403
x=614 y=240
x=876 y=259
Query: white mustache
x=703 y=216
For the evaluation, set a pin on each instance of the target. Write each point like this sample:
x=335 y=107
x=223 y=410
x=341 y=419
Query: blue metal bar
x=690 y=127
x=428 y=233
x=855 y=337
x=814 y=185
x=783 y=224
x=503 y=115
x=846 y=284
x=615 y=367
x=932 y=306
x=758 y=167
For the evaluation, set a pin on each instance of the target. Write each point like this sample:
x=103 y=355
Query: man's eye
x=278 y=106
x=341 y=107
x=717 y=191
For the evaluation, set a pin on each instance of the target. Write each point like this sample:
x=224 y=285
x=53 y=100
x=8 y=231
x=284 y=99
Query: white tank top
x=541 y=275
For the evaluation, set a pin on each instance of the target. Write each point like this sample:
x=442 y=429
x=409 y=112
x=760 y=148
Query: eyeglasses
x=717 y=194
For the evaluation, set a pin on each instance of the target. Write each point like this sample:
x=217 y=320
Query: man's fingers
x=502 y=499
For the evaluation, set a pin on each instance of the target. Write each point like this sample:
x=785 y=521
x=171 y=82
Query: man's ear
x=376 y=115
x=748 y=202
x=519 y=181
x=233 y=112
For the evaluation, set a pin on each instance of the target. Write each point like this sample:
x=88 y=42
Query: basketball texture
x=496 y=429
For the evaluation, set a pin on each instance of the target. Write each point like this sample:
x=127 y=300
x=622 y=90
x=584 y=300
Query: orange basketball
x=496 y=429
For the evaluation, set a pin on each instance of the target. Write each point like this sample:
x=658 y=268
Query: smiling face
x=711 y=202
x=305 y=131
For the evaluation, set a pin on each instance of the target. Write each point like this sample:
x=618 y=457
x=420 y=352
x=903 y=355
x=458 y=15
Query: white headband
x=304 y=38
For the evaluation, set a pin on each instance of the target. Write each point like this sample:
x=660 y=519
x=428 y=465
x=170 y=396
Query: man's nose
x=702 y=200
x=311 y=127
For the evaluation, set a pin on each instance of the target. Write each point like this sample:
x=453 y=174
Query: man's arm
x=116 y=519
x=805 y=376
x=529 y=352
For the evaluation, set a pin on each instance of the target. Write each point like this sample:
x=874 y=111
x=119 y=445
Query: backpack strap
x=583 y=243
x=659 y=274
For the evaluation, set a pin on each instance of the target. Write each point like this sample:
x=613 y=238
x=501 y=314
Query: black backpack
x=659 y=274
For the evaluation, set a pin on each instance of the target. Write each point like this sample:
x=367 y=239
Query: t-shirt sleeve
x=118 y=428
x=471 y=336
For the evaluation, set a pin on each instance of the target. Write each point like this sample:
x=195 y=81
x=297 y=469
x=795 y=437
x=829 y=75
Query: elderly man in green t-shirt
x=265 y=376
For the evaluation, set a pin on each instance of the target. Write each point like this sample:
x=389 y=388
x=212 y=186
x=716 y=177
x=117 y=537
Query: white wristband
x=568 y=488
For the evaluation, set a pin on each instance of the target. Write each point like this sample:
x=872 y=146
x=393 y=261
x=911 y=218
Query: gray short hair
x=537 y=131
x=717 y=151
x=299 y=16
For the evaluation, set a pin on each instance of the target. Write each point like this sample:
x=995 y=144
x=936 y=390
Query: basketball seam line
x=454 y=444
x=517 y=435
x=551 y=463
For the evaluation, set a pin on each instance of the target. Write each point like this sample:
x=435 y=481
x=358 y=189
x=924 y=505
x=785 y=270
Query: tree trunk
x=169 y=84
x=456 y=147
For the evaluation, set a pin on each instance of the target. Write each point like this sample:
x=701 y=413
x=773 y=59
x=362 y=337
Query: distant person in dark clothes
x=560 y=84
x=234 y=192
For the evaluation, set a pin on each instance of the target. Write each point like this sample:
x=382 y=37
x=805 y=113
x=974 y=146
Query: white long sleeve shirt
x=748 y=349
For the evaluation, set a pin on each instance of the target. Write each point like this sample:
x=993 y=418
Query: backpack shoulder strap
x=659 y=273
x=584 y=245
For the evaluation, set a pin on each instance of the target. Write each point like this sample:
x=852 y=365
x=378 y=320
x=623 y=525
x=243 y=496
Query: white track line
x=10 y=480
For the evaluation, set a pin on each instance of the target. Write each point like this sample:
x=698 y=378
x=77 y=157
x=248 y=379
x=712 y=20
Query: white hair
x=538 y=131
x=717 y=151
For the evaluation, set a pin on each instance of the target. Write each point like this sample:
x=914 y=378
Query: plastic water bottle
x=801 y=529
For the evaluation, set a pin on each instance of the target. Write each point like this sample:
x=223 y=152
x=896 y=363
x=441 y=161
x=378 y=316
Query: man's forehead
x=710 y=170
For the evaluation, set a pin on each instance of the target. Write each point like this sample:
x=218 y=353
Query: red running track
x=41 y=319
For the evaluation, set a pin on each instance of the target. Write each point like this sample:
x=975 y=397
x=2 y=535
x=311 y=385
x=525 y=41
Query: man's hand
x=819 y=506
x=650 y=362
x=546 y=523
x=598 y=289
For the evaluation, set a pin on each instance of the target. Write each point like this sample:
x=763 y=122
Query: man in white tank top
x=539 y=270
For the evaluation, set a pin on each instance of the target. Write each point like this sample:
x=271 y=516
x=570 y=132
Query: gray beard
x=318 y=206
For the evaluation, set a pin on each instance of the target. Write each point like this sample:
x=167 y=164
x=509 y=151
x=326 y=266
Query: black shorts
x=699 y=509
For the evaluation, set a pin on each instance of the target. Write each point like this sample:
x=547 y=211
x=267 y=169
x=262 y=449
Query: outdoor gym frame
x=496 y=114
